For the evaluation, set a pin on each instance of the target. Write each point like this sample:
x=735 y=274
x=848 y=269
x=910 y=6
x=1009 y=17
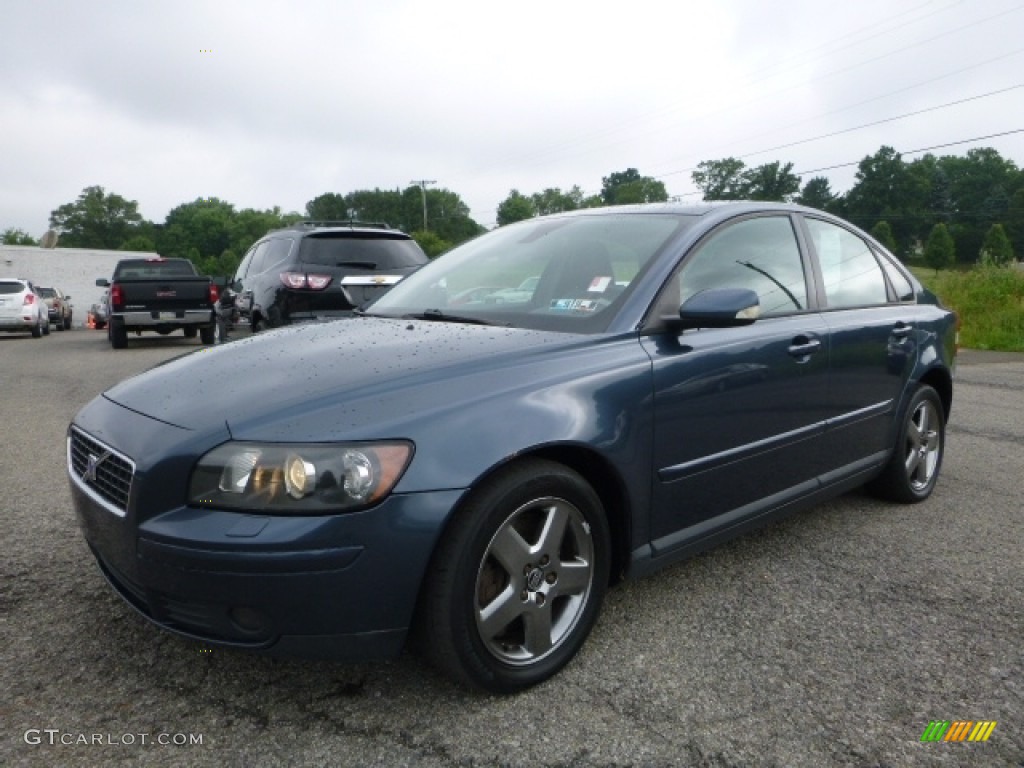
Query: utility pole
x=422 y=184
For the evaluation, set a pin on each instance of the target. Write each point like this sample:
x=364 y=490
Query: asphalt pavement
x=833 y=638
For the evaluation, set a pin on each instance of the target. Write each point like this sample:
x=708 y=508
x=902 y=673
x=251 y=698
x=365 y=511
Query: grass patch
x=989 y=301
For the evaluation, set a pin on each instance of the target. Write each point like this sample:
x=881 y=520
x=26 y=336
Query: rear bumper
x=17 y=323
x=152 y=319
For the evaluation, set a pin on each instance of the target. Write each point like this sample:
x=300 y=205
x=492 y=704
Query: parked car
x=321 y=269
x=58 y=307
x=97 y=315
x=476 y=478
x=22 y=309
x=161 y=295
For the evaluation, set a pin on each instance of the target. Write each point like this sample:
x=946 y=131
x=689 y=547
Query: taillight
x=318 y=282
x=30 y=299
x=300 y=280
x=116 y=297
x=214 y=294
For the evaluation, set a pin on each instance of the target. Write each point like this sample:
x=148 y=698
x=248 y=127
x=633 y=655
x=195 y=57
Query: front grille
x=100 y=471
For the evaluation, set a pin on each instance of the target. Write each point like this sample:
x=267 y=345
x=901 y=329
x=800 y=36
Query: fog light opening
x=248 y=620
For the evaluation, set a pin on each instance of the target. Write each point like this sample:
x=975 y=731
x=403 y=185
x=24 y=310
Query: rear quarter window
x=11 y=287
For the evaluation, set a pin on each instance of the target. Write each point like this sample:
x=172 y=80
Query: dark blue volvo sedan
x=475 y=473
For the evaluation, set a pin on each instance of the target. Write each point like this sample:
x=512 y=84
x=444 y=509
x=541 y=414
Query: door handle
x=803 y=346
x=901 y=330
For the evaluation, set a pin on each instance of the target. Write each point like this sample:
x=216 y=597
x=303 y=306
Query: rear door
x=739 y=412
x=873 y=343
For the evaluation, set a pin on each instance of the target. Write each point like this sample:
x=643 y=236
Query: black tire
x=191 y=332
x=60 y=325
x=916 y=459
x=37 y=330
x=117 y=334
x=67 y=323
x=208 y=334
x=46 y=328
x=517 y=582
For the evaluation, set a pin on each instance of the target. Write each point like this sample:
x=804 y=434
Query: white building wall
x=73 y=270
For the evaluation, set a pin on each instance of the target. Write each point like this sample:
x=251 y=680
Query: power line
x=916 y=151
x=859 y=127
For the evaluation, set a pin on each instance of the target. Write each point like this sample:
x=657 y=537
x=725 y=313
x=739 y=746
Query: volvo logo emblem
x=92 y=463
x=534 y=579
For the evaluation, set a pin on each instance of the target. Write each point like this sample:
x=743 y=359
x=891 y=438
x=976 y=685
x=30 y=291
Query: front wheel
x=518 y=580
x=913 y=468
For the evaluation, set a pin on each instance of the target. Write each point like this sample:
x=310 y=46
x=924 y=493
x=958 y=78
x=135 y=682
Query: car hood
x=302 y=369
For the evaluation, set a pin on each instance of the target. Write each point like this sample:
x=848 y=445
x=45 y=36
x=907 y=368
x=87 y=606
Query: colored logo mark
x=958 y=730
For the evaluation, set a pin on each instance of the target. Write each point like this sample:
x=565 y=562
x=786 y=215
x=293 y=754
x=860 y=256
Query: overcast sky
x=266 y=103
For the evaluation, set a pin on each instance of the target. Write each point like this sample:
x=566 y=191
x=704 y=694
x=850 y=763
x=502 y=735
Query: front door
x=739 y=412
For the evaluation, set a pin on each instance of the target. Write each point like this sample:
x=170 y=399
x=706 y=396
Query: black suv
x=317 y=269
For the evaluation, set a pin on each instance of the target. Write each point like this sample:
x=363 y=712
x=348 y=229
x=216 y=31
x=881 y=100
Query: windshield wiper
x=439 y=316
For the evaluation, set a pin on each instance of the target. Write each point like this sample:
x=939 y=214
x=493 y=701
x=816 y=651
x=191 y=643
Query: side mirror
x=102 y=282
x=719 y=308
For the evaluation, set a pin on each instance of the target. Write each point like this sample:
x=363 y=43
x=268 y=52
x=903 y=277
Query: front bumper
x=340 y=586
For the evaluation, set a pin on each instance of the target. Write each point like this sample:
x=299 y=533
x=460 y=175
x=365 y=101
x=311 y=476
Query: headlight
x=315 y=478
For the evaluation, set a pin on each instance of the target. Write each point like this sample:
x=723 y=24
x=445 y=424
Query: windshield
x=567 y=273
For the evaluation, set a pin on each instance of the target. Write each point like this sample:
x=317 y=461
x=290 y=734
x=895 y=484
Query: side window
x=851 y=274
x=759 y=254
x=243 y=268
x=259 y=258
x=277 y=251
x=900 y=283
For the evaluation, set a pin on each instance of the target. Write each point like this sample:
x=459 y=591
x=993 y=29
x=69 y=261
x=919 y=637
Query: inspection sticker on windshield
x=599 y=284
x=573 y=305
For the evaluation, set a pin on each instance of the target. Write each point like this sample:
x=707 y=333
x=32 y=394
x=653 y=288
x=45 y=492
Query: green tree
x=515 y=207
x=882 y=232
x=95 y=220
x=139 y=243
x=996 y=249
x=817 y=193
x=939 y=252
x=770 y=182
x=721 y=179
x=431 y=243
x=628 y=187
x=554 y=200
x=204 y=225
x=329 y=206
x=12 y=236
x=886 y=189
x=1015 y=221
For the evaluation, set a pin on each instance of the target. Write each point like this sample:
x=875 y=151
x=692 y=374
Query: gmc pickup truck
x=162 y=295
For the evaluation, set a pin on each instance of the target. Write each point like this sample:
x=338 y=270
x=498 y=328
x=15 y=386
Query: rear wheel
x=208 y=334
x=117 y=334
x=913 y=468
x=46 y=327
x=37 y=329
x=67 y=323
x=517 y=583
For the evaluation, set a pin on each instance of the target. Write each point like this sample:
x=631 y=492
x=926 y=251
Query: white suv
x=22 y=308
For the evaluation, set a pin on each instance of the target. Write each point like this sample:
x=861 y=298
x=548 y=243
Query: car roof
x=341 y=227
